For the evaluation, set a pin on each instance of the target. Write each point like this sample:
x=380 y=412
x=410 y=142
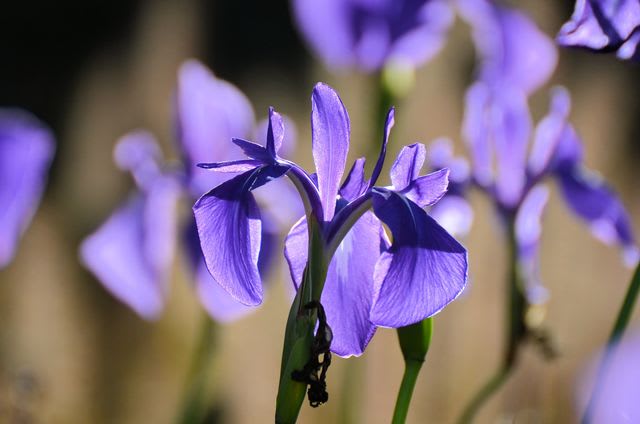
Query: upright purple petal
x=424 y=269
x=289 y=138
x=229 y=228
x=26 y=150
x=355 y=184
x=131 y=252
x=408 y=165
x=427 y=189
x=528 y=228
x=388 y=124
x=210 y=112
x=603 y=25
x=275 y=132
x=330 y=135
x=549 y=133
x=591 y=199
x=476 y=135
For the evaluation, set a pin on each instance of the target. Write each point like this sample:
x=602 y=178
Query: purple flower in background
x=371 y=33
x=132 y=252
x=509 y=159
x=26 y=151
x=617 y=400
x=605 y=26
x=370 y=282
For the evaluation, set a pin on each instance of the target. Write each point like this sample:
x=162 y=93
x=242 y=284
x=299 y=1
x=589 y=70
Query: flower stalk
x=414 y=342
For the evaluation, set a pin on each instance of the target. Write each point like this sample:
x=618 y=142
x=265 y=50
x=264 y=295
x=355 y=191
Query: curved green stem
x=616 y=334
x=194 y=407
x=411 y=371
x=516 y=333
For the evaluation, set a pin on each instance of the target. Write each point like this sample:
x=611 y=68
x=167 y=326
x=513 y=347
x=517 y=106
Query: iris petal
x=424 y=269
x=26 y=150
x=407 y=166
x=330 y=135
x=229 y=228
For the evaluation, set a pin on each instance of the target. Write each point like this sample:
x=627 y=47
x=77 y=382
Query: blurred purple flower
x=605 y=26
x=132 y=252
x=368 y=34
x=26 y=151
x=370 y=282
x=617 y=400
x=498 y=131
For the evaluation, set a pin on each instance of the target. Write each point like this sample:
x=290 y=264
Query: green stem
x=616 y=334
x=516 y=333
x=411 y=371
x=194 y=407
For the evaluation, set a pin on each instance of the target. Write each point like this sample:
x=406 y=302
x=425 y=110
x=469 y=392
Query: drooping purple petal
x=629 y=49
x=26 y=150
x=330 y=137
x=229 y=228
x=348 y=289
x=252 y=150
x=523 y=61
x=131 y=252
x=388 y=124
x=355 y=184
x=591 y=199
x=476 y=135
x=217 y=302
x=604 y=25
x=139 y=153
x=210 y=112
x=408 y=165
x=424 y=269
x=528 y=230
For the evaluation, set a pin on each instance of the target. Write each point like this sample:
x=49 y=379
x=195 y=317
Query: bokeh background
x=70 y=353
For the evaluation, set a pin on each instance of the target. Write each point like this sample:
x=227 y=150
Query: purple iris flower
x=26 y=151
x=370 y=282
x=132 y=252
x=510 y=159
x=617 y=400
x=371 y=33
x=605 y=26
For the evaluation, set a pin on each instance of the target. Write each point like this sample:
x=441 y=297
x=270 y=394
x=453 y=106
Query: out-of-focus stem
x=616 y=334
x=351 y=393
x=194 y=407
x=516 y=333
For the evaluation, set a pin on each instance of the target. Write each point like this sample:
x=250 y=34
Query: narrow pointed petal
x=407 y=166
x=289 y=138
x=355 y=184
x=275 y=132
x=26 y=150
x=252 y=150
x=330 y=135
x=210 y=111
x=242 y=165
x=428 y=189
x=388 y=124
x=589 y=197
x=549 y=133
x=131 y=252
x=349 y=288
x=528 y=230
x=229 y=228
x=424 y=269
